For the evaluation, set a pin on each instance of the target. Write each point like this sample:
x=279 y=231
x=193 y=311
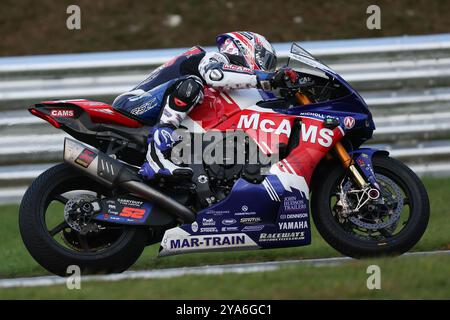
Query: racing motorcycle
x=95 y=211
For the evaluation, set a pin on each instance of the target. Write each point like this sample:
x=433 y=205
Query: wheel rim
x=376 y=222
x=65 y=237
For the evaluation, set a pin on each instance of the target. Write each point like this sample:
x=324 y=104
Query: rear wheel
x=57 y=237
x=358 y=226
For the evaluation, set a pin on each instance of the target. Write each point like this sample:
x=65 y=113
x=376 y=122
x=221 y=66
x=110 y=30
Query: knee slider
x=187 y=93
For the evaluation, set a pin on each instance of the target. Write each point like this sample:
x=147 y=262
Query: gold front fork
x=348 y=163
x=342 y=154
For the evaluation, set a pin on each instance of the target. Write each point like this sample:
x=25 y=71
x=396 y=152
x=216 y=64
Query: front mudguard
x=363 y=160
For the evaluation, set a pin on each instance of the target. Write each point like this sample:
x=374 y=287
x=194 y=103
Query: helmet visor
x=265 y=59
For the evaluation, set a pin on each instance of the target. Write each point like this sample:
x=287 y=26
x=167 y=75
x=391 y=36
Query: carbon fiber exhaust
x=112 y=173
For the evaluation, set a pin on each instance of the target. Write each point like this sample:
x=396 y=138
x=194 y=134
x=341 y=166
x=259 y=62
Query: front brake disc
x=386 y=186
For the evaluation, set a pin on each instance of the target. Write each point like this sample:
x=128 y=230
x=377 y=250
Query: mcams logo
x=310 y=133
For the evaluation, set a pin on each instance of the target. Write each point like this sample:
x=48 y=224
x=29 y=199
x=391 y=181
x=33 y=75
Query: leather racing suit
x=172 y=90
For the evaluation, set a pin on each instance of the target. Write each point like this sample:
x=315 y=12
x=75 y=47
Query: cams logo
x=62 y=113
x=293 y=225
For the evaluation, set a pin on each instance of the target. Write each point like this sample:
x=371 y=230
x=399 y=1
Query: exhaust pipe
x=112 y=173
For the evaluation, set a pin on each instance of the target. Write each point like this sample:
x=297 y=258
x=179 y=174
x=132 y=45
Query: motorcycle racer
x=170 y=92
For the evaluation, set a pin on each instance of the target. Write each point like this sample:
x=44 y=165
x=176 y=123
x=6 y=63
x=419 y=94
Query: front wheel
x=358 y=226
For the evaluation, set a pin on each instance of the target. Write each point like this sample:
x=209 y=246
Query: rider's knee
x=186 y=94
x=121 y=101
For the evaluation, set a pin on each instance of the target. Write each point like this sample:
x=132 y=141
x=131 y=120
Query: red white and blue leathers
x=168 y=94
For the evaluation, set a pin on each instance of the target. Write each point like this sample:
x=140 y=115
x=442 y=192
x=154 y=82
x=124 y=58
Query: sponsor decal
x=309 y=133
x=228 y=222
x=93 y=103
x=134 y=213
x=144 y=108
x=313 y=134
x=208 y=222
x=294 y=216
x=230 y=229
x=129 y=202
x=85 y=158
x=208 y=241
x=62 y=113
x=253 y=121
x=349 y=122
x=293 y=225
x=285 y=236
x=312 y=114
x=103 y=110
x=209 y=229
x=112 y=209
x=245 y=212
x=250 y=220
x=218 y=212
x=235 y=68
x=253 y=228
x=194 y=226
x=293 y=204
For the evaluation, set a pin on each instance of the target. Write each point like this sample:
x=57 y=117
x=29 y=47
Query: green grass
x=17 y=262
x=401 y=278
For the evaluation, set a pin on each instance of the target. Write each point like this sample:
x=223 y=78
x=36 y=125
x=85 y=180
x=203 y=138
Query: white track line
x=178 y=272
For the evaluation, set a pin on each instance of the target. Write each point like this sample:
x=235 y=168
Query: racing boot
x=160 y=143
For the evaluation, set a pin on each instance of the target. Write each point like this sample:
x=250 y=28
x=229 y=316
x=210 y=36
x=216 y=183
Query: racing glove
x=282 y=78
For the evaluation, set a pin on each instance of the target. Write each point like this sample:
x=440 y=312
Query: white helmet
x=248 y=49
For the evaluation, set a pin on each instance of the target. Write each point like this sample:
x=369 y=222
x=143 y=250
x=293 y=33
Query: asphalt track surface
x=178 y=272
